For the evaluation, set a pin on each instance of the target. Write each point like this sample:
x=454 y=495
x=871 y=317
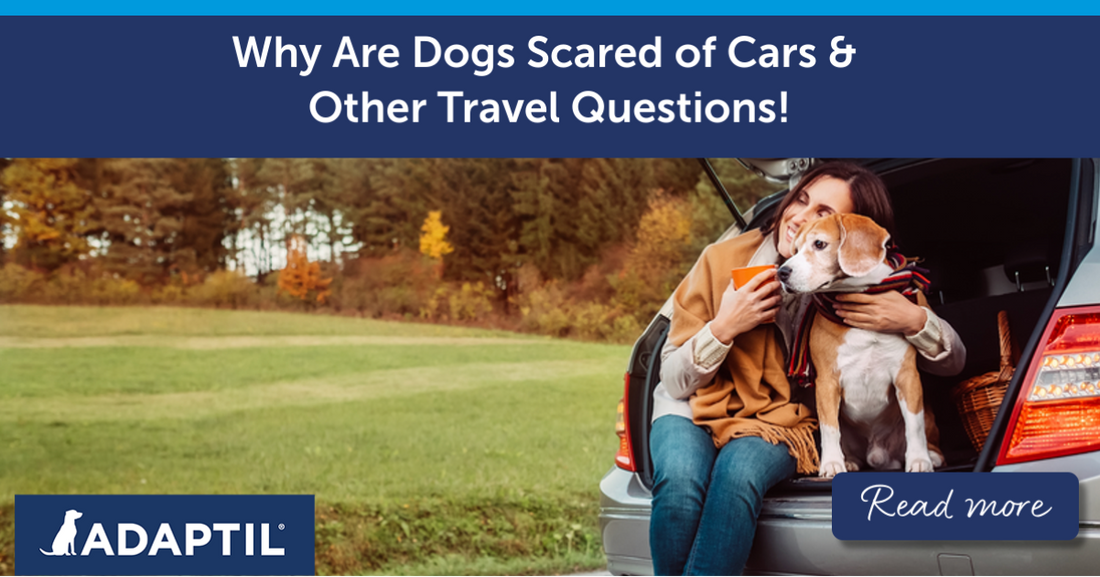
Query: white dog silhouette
x=65 y=541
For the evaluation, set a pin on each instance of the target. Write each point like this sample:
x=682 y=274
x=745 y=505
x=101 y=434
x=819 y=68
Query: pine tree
x=546 y=199
x=292 y=180
x=254 y=201
x=476 y=194
x=396 y=194
x=207 y=217
x=571 y=210
x=328 y=205
x=143 y=215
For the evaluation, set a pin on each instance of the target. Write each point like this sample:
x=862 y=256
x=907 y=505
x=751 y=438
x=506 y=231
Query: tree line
x=513 y=227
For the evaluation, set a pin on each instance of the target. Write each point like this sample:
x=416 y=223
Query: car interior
x=990 y=233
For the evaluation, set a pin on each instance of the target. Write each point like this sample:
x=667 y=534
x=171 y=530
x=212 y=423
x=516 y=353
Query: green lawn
x=430 y=449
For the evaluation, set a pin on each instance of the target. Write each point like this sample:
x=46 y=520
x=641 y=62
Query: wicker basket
x=979 y=398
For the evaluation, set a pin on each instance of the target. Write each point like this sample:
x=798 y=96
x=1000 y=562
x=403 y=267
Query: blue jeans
x=706 y=501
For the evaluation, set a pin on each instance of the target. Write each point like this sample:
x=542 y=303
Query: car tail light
x=625 y=457
x=1057 y=411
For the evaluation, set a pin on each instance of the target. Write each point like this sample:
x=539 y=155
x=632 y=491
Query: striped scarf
x=908 y=278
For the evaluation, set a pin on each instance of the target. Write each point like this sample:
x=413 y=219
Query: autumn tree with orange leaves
x=302 y=278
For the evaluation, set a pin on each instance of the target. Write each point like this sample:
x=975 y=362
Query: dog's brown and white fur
x=869 y=397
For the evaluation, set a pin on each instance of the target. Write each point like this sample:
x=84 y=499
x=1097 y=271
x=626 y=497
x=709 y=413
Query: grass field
x=430 y=449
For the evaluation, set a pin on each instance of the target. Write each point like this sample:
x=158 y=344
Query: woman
x=709 y=482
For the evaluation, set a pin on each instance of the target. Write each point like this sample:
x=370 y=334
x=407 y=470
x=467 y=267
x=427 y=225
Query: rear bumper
x=624 y=523
x=794 y=536
x=807 y=547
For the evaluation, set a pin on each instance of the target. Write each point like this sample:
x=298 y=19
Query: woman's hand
x=741 y=310
x=888 y=312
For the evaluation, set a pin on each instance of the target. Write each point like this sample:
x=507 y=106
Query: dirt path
x=351 y=387
x=238 y=342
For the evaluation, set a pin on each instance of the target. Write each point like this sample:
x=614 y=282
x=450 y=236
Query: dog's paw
x=918 y=466
x=830 y=469
x=851 y=466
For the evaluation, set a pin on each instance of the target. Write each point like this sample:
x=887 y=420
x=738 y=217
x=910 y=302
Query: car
x=1015 y=235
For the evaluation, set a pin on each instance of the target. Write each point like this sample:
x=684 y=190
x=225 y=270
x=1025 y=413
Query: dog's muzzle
x=784 y=275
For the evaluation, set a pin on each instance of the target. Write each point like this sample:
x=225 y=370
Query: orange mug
x=743 y=275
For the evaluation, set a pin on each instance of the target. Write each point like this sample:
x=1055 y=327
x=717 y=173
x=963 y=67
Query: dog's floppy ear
x=862 y=244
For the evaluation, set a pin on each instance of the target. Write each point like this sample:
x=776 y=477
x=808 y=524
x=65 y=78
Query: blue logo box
x=164 y=534
x=955 y=506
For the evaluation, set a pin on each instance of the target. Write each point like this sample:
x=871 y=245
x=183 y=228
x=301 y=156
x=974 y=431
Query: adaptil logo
x=164 y=535
x=133 y=538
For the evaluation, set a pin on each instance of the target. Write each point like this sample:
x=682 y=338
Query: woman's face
x=824 y=196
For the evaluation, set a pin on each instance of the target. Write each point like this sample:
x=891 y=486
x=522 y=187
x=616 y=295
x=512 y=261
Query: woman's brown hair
x=869 y=196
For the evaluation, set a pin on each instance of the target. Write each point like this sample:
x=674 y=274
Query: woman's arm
x=941 y=350
x=686 y=368
x=693 y=364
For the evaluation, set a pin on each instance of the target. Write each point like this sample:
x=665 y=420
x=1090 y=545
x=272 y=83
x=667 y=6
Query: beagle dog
x=869 y=397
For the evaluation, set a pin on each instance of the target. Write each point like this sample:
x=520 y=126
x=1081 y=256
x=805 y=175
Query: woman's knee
x=683 y=456
x=681 y=488
x=683 y=472
x=750 y=466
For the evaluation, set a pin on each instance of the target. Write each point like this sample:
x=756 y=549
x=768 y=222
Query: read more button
x=955 y=506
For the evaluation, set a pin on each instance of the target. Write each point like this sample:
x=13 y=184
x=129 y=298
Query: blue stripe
x=560 y=8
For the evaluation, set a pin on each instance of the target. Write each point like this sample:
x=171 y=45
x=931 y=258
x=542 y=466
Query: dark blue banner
x=164 y=534
x=549 y=86
x=963 y=507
